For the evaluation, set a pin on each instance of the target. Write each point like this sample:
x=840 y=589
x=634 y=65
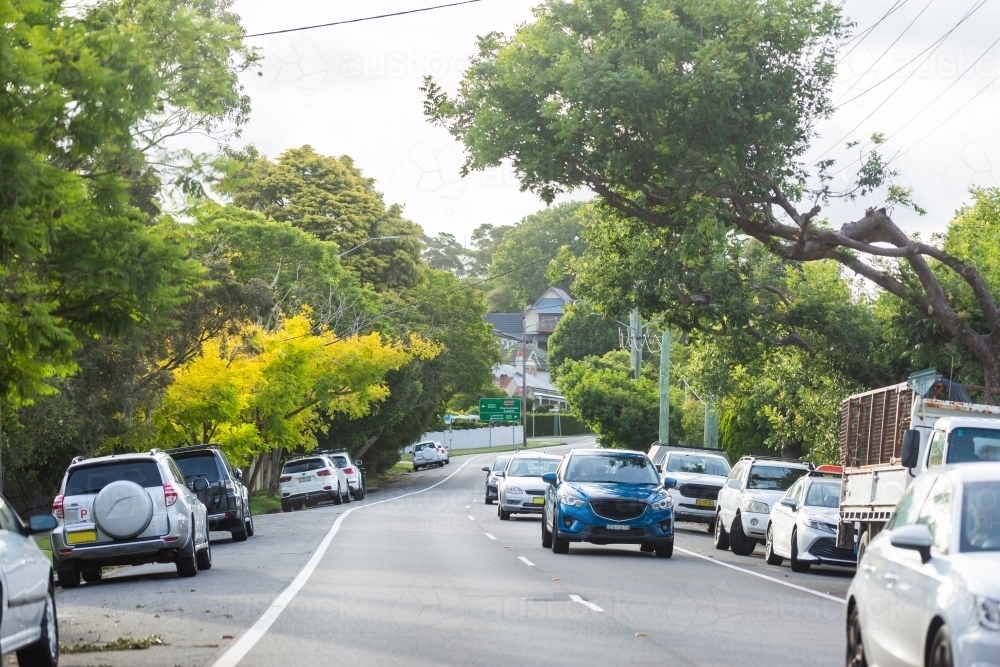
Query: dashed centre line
x=589 y=605
x=526 y=561
x=490 y=536
x=472 y=518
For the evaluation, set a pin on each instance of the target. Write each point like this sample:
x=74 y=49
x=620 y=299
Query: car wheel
x=68 y=578
x=940 y=655
x=187 y=563
x=721 y=536
x=347 y=496
x=286 y=507
x=249 y=521
x=769 y=555
x=360 y=493
x=338 y=499
x=665 y=550
x=487 y=500
x=855 y=646
x=546 y=535
x=797 y=565
x=862 y=545
x=45 y=651
x=710 y=528
x=91 y=574
x=239 y=535
x=204 y=557
x=504 y=516
x=415 y=467
x=647 y=548
x=740 y=544
x=559 y=545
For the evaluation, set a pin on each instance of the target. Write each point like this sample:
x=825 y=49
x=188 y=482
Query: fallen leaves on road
x=120 y=644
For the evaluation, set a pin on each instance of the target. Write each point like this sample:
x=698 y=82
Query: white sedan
x=927 y=591
x=803 y=525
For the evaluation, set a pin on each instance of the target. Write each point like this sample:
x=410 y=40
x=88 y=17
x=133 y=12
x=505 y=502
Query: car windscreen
x=304 y=465
x=823 y=494
x=980 y=517
x=342 y=461
x=968 y=445
x=773 y=478
x=531 y=467
x=501 y=462
x=612 y=469
x=422 y=446
x=92 y=479
x=204 y=465
x=696 y=463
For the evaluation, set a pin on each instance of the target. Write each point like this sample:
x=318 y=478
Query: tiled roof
x=508 y=323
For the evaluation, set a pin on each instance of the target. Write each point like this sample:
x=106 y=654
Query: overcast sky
x=354 y=90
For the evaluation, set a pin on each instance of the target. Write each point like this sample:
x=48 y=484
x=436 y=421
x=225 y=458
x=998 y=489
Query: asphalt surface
x=423 y=573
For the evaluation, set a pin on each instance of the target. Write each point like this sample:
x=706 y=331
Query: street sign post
x=500 y=409
x=447 y=420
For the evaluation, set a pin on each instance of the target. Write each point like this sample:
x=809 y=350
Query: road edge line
x=586 y=603
x=832 y=598
x=235 y=653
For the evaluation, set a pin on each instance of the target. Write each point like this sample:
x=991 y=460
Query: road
x=423 y=573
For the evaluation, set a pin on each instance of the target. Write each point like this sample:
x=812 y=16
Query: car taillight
x=325 y=472
x=285 y=478
x=57 y=507
x=169 y=494
x=348 y=471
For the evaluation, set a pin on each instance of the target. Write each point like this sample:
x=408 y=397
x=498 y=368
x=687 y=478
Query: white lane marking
x=490 y=536
x=526 y=561
x=832 y=598
x=256 y=632
x=468 y=506
x=589 y=605
x=472 y=518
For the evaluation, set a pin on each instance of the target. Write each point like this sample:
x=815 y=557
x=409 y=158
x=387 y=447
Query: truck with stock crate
x=889 y=436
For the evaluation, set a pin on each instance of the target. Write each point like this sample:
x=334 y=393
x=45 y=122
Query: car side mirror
x=239 y=474
x=669 y=483
x=733 y=483
x=199 y=484
x=549 y=478
x=500 y=473
x=789 y=503
x=358 y=462
x=911 y=448
x=41 y=523
x=486 y=468
x=916 y=537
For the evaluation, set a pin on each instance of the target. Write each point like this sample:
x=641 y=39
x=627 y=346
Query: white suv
x=128 y=509
x=744 y=505
x=426 y=454
x=307 y=481
x=355 y=472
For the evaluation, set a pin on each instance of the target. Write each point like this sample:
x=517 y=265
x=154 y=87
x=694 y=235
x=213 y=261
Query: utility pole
x=524 y=383
x=665 y=389
x=635 y=323
x=711 y=424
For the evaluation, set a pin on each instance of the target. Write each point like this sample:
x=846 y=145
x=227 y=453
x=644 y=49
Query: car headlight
x=513 y=489
x=754 y=507
x=821 y=526
x=989 y=613
x=663 y=503
x=570 y=499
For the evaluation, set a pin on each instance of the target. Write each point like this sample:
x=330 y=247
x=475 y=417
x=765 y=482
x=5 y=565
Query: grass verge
x=45 y=545
x=261 y=504
x=507 y=448
x=120 y=644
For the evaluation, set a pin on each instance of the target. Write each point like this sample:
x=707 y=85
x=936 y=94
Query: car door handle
x=889 y=576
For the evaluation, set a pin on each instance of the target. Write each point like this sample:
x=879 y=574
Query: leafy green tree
x=527 y=250
x=445 y=253
x=330 y=198
x=692 y=120
x=582 y=332
x=485 y=238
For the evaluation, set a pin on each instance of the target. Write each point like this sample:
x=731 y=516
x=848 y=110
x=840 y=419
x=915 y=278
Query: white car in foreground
x=803 y=525
x=927 y=591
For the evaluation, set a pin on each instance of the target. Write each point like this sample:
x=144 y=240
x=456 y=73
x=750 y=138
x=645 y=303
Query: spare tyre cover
x=123 y=509
x=428 y=453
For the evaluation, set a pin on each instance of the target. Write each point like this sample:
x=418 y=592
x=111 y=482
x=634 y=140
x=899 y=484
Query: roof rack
x=77 y=459
x=191 y=448
x=777 y=458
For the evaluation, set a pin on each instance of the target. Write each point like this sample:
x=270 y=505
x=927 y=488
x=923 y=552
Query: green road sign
x=500 y=409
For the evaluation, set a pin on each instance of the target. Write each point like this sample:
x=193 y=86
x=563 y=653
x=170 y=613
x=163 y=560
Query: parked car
x=608 y=497
x=227 y=500
x=426 y=454
x=307 y=481
x=28 y=623
x=355 y=472
x=927 y=591
x=521 y=489
x=128 y=509
x=700 y=476
x=744 y=504
x=803 y=525
x=492 y=481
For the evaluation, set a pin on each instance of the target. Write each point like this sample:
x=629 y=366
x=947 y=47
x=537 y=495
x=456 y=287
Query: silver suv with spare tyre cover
x=128 y=509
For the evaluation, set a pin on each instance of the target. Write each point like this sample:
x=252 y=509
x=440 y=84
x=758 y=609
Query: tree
x=582 y=332
x=330 y=198
x=485 y=238
x=692 y=122
x=445 y=253
x=523 y=257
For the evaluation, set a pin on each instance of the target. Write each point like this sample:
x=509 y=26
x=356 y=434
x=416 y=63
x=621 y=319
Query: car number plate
x=81 y=537
x=617 y=526
x=701 y=502
x=305 y=479
x=538 y=501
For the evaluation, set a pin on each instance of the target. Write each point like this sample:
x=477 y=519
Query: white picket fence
x=475 y=438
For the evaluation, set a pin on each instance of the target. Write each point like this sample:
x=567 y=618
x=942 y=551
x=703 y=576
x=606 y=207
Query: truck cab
x=958 y=440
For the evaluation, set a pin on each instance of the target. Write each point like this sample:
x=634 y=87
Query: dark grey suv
x=226 y=498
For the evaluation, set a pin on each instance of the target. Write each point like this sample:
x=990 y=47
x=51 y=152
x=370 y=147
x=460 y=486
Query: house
x=537 y=391
x=535 y=324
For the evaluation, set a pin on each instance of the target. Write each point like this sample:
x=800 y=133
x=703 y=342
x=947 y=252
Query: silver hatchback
x=128 y=509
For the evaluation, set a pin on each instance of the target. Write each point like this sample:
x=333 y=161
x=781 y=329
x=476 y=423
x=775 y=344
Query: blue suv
x=605 y=496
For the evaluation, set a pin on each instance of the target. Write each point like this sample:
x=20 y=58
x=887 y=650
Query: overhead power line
x=364 y=18
x=861 y=36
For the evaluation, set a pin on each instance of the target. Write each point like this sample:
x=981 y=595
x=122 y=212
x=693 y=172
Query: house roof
x=540 y=356
x=506 y=323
